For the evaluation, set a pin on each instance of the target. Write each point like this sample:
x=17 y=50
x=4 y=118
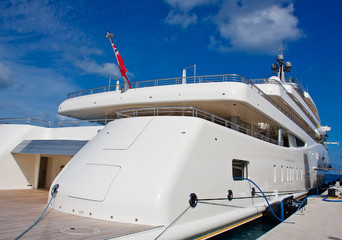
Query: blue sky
x=51 y=48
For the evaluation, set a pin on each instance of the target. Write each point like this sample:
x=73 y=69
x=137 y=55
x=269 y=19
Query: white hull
x=162 y=160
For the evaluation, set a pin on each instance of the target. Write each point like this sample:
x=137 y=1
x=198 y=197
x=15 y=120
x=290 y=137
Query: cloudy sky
x=51 y=48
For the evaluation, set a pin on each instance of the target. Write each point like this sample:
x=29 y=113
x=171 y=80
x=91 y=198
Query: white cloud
x=180 y=18
x=92 y=67
x=43 y=26
x=61 y=118
x=34 y=17
x=6 y=77
x=180 y=12
x=37 y=93
x=42 y=46
x=187 y=5
x=256 y=26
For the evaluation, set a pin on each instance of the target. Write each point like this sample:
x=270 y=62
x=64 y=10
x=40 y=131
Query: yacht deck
x=102 y=106
x=19 y=209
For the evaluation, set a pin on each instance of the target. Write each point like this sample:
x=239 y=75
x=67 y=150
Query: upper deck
x=226 y=96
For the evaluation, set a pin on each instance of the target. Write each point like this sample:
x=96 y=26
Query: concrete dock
x=318 y=220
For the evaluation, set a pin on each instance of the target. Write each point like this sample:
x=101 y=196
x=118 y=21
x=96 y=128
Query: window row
x=282 y=173
x=287 y=174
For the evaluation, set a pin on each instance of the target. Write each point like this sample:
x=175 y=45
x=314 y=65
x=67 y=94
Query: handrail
x=191 y=112
x=163 y=82
x=307 y=114
x=194 y=80
x=42 y=123
x=311 y=134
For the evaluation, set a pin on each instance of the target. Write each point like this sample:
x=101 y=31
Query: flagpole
x=120 y=62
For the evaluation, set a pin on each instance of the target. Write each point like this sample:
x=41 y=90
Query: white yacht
x=180 y=152
x=183 y=154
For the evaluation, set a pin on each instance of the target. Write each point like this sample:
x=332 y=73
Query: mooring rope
x=269 y=205
x=193 y=201
x=299 y=207
x=54 y=191
x=325 y=198
x=171 y=224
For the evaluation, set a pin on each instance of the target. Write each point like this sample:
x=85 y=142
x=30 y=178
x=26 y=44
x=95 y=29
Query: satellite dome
x=280 y=58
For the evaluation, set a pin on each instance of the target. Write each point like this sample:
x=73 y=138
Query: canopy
x=51 y=147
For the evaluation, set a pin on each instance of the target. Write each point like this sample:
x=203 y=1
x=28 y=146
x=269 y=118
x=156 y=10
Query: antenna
x=281 y=67
x=282 y=48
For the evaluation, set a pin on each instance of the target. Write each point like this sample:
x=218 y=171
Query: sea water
x=248 y=231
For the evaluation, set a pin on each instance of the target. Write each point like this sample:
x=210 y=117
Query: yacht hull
x=143 y=170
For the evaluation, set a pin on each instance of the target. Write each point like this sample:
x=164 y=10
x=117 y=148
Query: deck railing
x=199 y=79
x=293 y=113
x=191 y=112
x=164 y=82
x=41 y=123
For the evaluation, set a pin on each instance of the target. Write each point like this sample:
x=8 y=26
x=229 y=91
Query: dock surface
x=318 y=220
x=19 y=209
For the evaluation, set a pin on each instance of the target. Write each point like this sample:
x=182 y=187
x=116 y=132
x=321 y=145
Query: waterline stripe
x=229 y=228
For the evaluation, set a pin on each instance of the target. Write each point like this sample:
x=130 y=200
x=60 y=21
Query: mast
x=281 y=67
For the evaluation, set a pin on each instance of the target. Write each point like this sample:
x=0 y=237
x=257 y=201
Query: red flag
x=120 y=61
x=121 y=64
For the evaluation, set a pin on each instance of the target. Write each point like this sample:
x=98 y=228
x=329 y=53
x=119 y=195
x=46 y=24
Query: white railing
x=42 y=123
x=163 y=82
x=191 y=112
x=198 y=79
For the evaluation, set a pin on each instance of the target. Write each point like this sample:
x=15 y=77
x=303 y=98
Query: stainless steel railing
x=164 y=82
x=42 y=123
x=199 y=79
x=191 y=112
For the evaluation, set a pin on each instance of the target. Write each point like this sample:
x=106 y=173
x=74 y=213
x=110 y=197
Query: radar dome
x=288 y=66
x=280 y=58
